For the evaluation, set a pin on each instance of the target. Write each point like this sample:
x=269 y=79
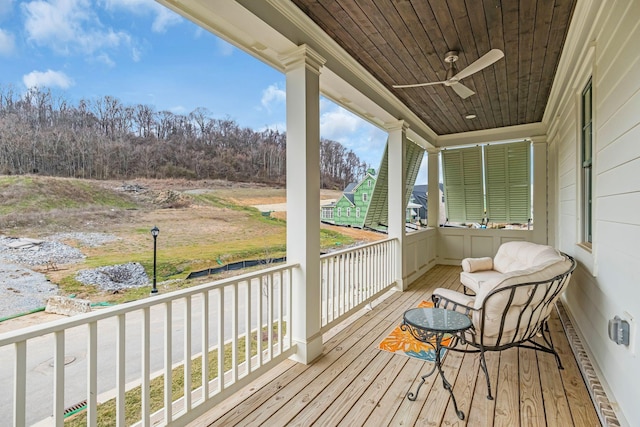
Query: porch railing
x=213 y=339
x=351 y=278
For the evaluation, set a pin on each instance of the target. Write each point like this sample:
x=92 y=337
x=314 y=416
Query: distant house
x=351 y=209
x=419 y=197
x=364 y=204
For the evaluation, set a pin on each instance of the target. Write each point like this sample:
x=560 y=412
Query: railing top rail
x=24 y=334
x=356 y=248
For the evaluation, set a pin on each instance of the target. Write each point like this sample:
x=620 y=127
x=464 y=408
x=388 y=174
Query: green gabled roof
x=363 y=180
x=347 y=198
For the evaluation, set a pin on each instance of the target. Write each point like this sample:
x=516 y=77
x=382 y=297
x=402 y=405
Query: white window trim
x=585 y=70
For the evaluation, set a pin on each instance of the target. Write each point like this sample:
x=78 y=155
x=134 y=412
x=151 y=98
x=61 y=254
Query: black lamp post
x=154 y=232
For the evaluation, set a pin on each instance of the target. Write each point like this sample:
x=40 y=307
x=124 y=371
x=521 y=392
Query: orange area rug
x=402 y=342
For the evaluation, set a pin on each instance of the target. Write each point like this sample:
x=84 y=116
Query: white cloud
x=178 y=109
x=47 y=78
x=7 y=42
x=224 y=48
x=106 y=60
x=357 y=135
x=163 y=19
x=69 y=26
x=338 y=124
x=271 y=96
x=136 y=54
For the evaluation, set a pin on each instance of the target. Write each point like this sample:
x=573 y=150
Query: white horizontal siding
x=614 y=62
x=624 y=119
x=622 y=208
x=626 y=149
x=616 y=180
x=607 y=282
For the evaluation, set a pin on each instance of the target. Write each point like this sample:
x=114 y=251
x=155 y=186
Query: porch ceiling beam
x=529 y=131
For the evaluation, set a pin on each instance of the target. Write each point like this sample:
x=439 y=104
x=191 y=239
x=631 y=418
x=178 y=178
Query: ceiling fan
x=454 y=76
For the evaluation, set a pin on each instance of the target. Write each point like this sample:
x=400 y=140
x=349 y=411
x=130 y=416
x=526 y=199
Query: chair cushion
x=538 y=273
x=518 y=255
x=496 y=304
x=477 y=264
x=473 y=281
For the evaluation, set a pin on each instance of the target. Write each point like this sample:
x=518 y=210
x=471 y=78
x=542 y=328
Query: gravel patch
x=91 y=240
x=115 y=277
x=23 y=290
x=39 y=254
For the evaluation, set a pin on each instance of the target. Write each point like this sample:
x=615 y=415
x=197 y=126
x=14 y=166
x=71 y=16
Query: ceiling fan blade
x=462 y=91
x=483 y=62
x=417 y=85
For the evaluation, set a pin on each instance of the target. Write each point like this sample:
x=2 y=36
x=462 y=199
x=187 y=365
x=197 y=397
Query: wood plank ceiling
x=405 y=41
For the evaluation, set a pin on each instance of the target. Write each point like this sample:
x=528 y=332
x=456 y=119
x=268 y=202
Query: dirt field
x=202 y=224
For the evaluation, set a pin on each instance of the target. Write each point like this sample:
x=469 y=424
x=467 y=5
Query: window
x=364 y=197
x=462 y=173
x=357 y=212
x=348 y=212
x=508 y=182
x=587 y=176
x=369 y=182
x=491 y=182
x=327 y=212
x=339 y=211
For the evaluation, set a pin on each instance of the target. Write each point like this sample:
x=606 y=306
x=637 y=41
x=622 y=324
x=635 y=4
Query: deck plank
x=464 y=390
x=507 y=393
x=436 y=404
x=354 y=383
x=531 y=404
x=395 y=397
x=312 y=400
x=370 y=399
x=342 y=395
x=482 y=410
x=556 y=406
x=582 y=410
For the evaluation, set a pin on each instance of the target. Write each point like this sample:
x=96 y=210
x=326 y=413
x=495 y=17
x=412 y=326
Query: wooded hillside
x=105 y=139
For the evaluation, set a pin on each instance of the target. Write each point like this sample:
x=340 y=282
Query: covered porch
x=302 y=375
x=354 y=383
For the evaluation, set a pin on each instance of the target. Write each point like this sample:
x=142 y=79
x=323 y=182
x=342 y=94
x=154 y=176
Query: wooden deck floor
x=356 y=384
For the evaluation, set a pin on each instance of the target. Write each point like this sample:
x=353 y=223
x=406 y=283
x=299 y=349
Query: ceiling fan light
x=470 y=116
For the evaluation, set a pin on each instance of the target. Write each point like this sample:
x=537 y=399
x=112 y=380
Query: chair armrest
x=453 y=300
x=470 y=265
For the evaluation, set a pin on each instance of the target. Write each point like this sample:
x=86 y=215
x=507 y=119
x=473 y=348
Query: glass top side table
x=431 y=326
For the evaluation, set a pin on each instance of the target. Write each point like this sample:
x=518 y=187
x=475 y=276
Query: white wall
x=455 y=244
x=419 y=253
x=607 y=282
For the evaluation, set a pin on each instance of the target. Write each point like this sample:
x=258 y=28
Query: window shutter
x=462 y=173
x=508 y=182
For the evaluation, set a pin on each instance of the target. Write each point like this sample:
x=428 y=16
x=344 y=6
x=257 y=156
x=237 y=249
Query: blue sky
x=142 y=53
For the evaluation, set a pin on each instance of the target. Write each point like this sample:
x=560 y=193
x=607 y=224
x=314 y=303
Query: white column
x=433 y=196
x=302 y=68
x=540 y=193
x=397 y=187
